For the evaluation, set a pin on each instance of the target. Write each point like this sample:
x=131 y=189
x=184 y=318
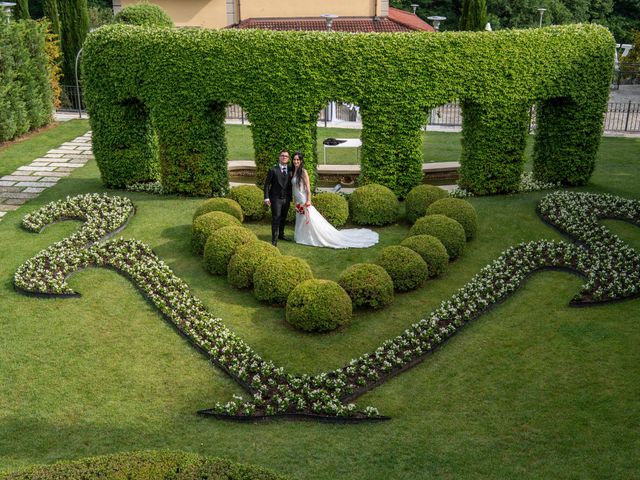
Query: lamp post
x=415 y=7
x=6 y=8
x=541 y=10
x=436 y=21
x=329 y=18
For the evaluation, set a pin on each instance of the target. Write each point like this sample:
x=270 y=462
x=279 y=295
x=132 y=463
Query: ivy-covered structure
x=157 y=100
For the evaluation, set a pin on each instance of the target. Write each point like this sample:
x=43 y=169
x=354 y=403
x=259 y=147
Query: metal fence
x=626 y=73
x=72 y=98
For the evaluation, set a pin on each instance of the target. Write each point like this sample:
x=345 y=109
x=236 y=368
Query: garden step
x=435 y=167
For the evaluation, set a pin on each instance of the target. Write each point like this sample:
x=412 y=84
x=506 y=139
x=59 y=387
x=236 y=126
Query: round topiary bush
x=373 y=205
x=431 y=250
x=204 y=225
x=144 y=13
x=221 y=246
x=460 y=210
x=251 y=201
x=406 y=268
x=419 y=199
x=318 y=306
x=445 y=229
x=333 y=207
x=244 y=262
x=225 y=205
x=276 y=277
x=368 y=285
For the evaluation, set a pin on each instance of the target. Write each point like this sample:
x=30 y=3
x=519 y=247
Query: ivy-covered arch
x=186 y=76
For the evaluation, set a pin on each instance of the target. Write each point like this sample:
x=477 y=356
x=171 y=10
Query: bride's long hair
x=297 y=173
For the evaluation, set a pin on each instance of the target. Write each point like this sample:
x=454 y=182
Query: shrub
x=318 y=306
x=373 y=205
x=204 y=225
x=251 y=200
x=225 y=205
x=445 y=229
x=144 y=14
x=221 y=246
x=431 y=250
x=276 y=277
x=333 y=207
x=244 y=262
x=368 y=285
x=460 y=210
x=420 y=197
x=406 y=268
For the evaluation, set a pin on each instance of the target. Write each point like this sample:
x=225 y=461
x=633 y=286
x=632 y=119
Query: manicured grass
x=532 y=389
x=34 y=145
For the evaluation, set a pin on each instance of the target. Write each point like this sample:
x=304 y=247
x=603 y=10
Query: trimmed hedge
x=251 y=200
x=431 y=250
x=445 y=229
x=460 y=210
x=225 y=205
x=26 y=94
x=204 y=225
x=221 y=246
x=419 y=199
x=333 y=207
x=150 y=464
x=244 y=262
x=276 y=277
x=173 y=77
x=406 y=268
x=318 y=306
x=373 y=205
x=368 y=285
x=144 y=13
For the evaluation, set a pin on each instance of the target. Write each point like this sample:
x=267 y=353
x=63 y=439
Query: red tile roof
x=395 y=22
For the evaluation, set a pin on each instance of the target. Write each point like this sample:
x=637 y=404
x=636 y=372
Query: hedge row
x=145 y=83
x=26 y=96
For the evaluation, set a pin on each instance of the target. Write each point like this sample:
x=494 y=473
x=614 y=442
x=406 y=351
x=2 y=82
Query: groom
x=278 y=194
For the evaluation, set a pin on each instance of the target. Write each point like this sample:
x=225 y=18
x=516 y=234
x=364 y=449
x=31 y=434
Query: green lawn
x=533 y=389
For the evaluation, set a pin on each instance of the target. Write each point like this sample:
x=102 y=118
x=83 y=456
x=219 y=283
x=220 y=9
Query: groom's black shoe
x=274 y=242
x=284 y=238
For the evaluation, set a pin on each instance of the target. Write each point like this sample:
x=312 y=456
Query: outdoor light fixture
x=436 y=21
x=6 y=7
x=541 y=10
x=415 y=7
x=329 y=18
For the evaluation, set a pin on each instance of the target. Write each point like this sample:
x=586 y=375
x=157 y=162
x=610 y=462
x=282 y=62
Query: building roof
x=397 y=21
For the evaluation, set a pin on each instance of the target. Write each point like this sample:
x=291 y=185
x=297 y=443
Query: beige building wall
x=220 y=13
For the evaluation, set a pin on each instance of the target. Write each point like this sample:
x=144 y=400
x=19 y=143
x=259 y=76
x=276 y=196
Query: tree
x=74 y=23
x=474 y=15
x=21 y=10
x=50 y=10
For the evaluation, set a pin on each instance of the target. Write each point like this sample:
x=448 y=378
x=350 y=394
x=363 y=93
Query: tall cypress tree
x=474 y=15
x=50 y=9
x=74 y=26
x=21 y=10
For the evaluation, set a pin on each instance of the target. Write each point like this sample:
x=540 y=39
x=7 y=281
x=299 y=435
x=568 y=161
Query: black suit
x=277 y=188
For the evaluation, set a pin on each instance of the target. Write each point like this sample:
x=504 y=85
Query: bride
x=311 y=227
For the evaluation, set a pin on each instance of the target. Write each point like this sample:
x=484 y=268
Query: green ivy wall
x=156 y=98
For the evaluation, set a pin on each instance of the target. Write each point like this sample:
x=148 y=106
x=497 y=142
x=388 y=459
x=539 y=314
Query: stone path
x=29 y=181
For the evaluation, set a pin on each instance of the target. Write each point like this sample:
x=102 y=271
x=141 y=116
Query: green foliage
x=460 y=210
x=74 y=26
x=373 y=205
x=144 y=465
x=474 y=15
x=184 y=87
x=26 y=95
x=50 y=10
x=251 y=200
x=244 y=262
x=226 y=205
x=368 y=285
x=276 y=277
x=21 y=10
x=207 y=223
x=222 y=244
x=419 y=198
x=445 y=229
x=431 y=250
x=318 y=306
x=144 y=13
x=406 y=268
x=333 y=207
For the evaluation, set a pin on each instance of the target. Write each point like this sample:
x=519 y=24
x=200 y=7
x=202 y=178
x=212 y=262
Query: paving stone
x=53 y=155
x=51 y=176
x=2 y=214
x=66 y=147
x=15 y=201
x=58 y=150
x=87 y=152
x=33 y=169
x=67 y=165
x=16 y=195
x=27 y=184
x=8 y=208
x=5 y=183
x=17 y=188
x=23 y=177
x=35 y=190
x=64 y=169
x=39 y=164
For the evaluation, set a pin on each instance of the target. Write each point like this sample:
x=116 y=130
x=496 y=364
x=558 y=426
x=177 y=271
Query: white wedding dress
x=314 y=230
